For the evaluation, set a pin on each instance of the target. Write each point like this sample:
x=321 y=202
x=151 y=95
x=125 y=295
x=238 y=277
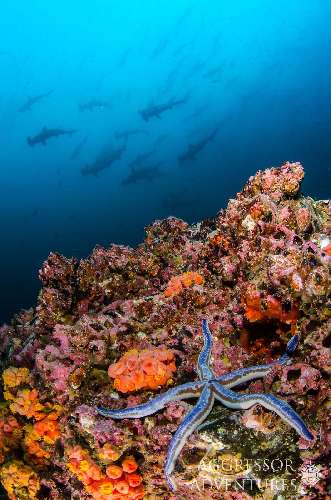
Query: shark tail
x=30 y=141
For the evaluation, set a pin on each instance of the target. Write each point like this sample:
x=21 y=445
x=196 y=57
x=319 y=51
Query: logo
x=310 y=474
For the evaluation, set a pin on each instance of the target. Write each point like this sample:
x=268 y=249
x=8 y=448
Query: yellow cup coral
x=40 y=437
x=26 y=403
x=13 y=377
x=108 y=453
x=19 y=480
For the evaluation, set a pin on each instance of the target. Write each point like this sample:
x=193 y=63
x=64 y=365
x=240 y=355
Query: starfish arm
x=189 y=390
x=238 y=377
x=292 y=344
x=191 y=421
x=243 y=401
x=204 y=372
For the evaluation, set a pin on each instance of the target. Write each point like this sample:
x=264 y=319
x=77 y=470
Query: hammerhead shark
x=194 y=149
x=31 y=101
x=94 y=104
x=140 y=159
x=103 y=161
x=125 y=134
x=143 y=174
x=78 y=149
x=155 y=110
x=46 y=134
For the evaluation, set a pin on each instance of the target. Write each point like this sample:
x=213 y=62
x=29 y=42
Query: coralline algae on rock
x=259 y=272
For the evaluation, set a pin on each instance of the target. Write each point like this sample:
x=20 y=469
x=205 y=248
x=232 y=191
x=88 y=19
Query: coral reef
x=123 y=325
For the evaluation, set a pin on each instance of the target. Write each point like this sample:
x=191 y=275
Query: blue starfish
x=209 y=387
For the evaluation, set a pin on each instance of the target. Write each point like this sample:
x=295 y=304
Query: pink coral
x=57 y=363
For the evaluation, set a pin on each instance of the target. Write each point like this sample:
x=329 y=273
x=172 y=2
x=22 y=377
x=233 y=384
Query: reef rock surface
x=123 y=325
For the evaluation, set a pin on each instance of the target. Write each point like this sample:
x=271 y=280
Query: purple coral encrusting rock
x=264 y=274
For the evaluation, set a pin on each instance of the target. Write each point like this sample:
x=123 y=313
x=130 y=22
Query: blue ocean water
x=254 y=78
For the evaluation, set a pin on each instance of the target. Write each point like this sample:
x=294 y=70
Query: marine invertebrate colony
x=116 y=482
x=19 y=480
x=147 y=369
x=209 y=388
x=117 y=328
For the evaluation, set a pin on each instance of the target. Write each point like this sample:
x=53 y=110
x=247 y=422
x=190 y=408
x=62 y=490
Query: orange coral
x=38 y=437
x=122 y=487
x=108 y=453
x=83 y=466
x=136 y=493
x=114 y=471
x=258 y=308
x=25 y=403
x=185 y=280
x=218 y=239
x=13 y=377
x=10 y=433
x=19 y=480
x=146 y=369
x=129 y=465
x=34 y=448
x=115 y=484
x=48 y=428
x=42 y=434
x=100 y=490
x=133 y=479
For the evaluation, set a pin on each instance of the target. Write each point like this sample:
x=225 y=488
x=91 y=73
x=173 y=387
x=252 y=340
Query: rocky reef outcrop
x=123 y=325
